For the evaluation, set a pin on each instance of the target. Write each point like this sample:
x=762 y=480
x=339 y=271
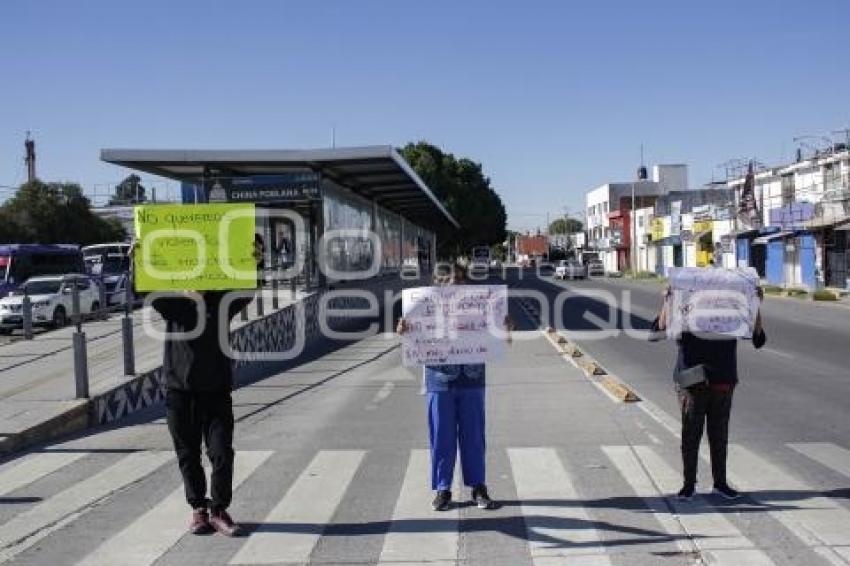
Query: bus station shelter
x=344 y=193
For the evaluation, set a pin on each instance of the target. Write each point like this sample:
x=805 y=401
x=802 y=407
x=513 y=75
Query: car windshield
x=42 y=287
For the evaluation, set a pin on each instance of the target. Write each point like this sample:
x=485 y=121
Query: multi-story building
x=608 y=223
x=799 y=234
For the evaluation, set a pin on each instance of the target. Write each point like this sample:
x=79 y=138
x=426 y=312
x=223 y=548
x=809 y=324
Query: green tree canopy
x=566 y=226
x=465 y=191
x=129 y=191
x=54 y=213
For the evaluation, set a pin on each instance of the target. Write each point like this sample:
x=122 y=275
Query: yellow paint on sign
x=200 y=247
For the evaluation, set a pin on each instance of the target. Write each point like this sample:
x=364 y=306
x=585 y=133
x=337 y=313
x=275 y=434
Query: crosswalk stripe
x=540 y=476
x=24 y=530
x=153 y=533
x=814 y=519
x=417 y=534
x=707 y=531
x=18 y=474
x=308 y=505
x=826 y=454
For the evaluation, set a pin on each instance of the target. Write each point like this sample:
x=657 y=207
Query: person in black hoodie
x=199 y=407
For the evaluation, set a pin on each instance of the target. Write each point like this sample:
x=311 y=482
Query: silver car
x=570 y=269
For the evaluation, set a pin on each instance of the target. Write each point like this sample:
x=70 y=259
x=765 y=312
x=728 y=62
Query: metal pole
x=26 y=315
x=75 y=305
x=634 y=233
x=81 y=370
x=127 y=331
x=103 y=311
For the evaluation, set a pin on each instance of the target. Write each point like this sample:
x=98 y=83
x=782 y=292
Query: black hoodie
x=197 y=364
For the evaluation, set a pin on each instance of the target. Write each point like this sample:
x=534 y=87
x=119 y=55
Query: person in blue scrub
x=455 y=395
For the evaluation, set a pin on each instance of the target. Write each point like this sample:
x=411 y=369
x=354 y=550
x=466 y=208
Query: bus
x=110 y=264
x=19 y=262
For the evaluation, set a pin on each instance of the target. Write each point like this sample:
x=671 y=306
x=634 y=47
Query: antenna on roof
x=333 y=136
x=642 y=173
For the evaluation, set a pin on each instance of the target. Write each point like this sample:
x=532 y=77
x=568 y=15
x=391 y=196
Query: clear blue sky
x=553 y=97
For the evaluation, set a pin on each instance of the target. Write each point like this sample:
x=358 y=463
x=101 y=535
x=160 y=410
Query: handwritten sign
x=714 y=301
x=455 y=324
x=202 y=247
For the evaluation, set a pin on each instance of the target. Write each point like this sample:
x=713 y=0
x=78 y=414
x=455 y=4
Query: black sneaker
x=687 y=492
x=442 y=500
x=481 y=498
x=723 y=490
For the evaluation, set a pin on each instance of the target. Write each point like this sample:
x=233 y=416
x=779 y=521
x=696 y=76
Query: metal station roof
x=377 y=172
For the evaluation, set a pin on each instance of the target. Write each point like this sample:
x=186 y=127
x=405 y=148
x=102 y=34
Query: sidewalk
x=37 y=387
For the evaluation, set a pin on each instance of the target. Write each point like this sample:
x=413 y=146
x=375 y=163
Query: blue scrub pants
x=456 y=417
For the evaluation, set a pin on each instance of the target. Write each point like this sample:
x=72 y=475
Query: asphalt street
x=332 y=464
x=796 y=388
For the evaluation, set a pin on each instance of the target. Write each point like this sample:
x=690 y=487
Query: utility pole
x=29 y=146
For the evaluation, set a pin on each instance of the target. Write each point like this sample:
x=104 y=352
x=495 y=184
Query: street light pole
x=633 y=243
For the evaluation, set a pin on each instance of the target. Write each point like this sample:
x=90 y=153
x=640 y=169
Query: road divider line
x=826 y=454
x=810 y=516
x=308 y=506
x=154 y=532
x=675 y=525
x=555 y=531
x=26 y=529
x=609 y=384
x=20 y=473
x=418 y=535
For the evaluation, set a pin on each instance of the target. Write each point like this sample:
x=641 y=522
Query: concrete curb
x=74 y=419
x=592 y=369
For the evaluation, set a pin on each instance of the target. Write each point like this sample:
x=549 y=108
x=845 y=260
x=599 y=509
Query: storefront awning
x=765 y=239
x=374 y=172
x=668 y=241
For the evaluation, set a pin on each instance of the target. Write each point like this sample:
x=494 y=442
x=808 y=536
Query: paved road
x=794 y=389
x=332 y=469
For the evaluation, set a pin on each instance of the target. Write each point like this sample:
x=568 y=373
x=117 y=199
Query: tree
x=566 y=226
x=129 y=191
x=54 y=213
x=460 y=184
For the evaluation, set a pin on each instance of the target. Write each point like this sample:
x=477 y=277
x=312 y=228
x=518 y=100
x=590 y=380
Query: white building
x=608 y=223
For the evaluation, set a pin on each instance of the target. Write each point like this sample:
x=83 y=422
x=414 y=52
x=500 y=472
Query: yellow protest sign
x=657 y=229
x=200 y=247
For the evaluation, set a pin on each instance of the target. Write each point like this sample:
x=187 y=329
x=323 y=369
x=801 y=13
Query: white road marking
x=813 y=518
x=695 y=526
x=153 y=533
x=382 y=395
x=19 y=473
x=309 y=504
x=28 y=528
x=826 y=454
x=539 y=475
x=417 y=534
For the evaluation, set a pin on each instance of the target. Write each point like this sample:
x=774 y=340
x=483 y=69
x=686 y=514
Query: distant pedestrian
x=456 y=418
x=199 y=407
x=707 y=404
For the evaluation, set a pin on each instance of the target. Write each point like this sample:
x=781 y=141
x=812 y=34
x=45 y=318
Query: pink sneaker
x=222 y=522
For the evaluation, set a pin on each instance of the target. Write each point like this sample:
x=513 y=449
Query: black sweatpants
x=704 y=407
x=203 y=417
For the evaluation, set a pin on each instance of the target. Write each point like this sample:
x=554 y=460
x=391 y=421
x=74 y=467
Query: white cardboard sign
x=714 y=301
x=454 y=324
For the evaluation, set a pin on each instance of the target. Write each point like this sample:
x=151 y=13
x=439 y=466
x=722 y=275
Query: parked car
x=595 y=267
x=570 y=269
x=20 y=262
x=110 y=264
x=51 y=298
